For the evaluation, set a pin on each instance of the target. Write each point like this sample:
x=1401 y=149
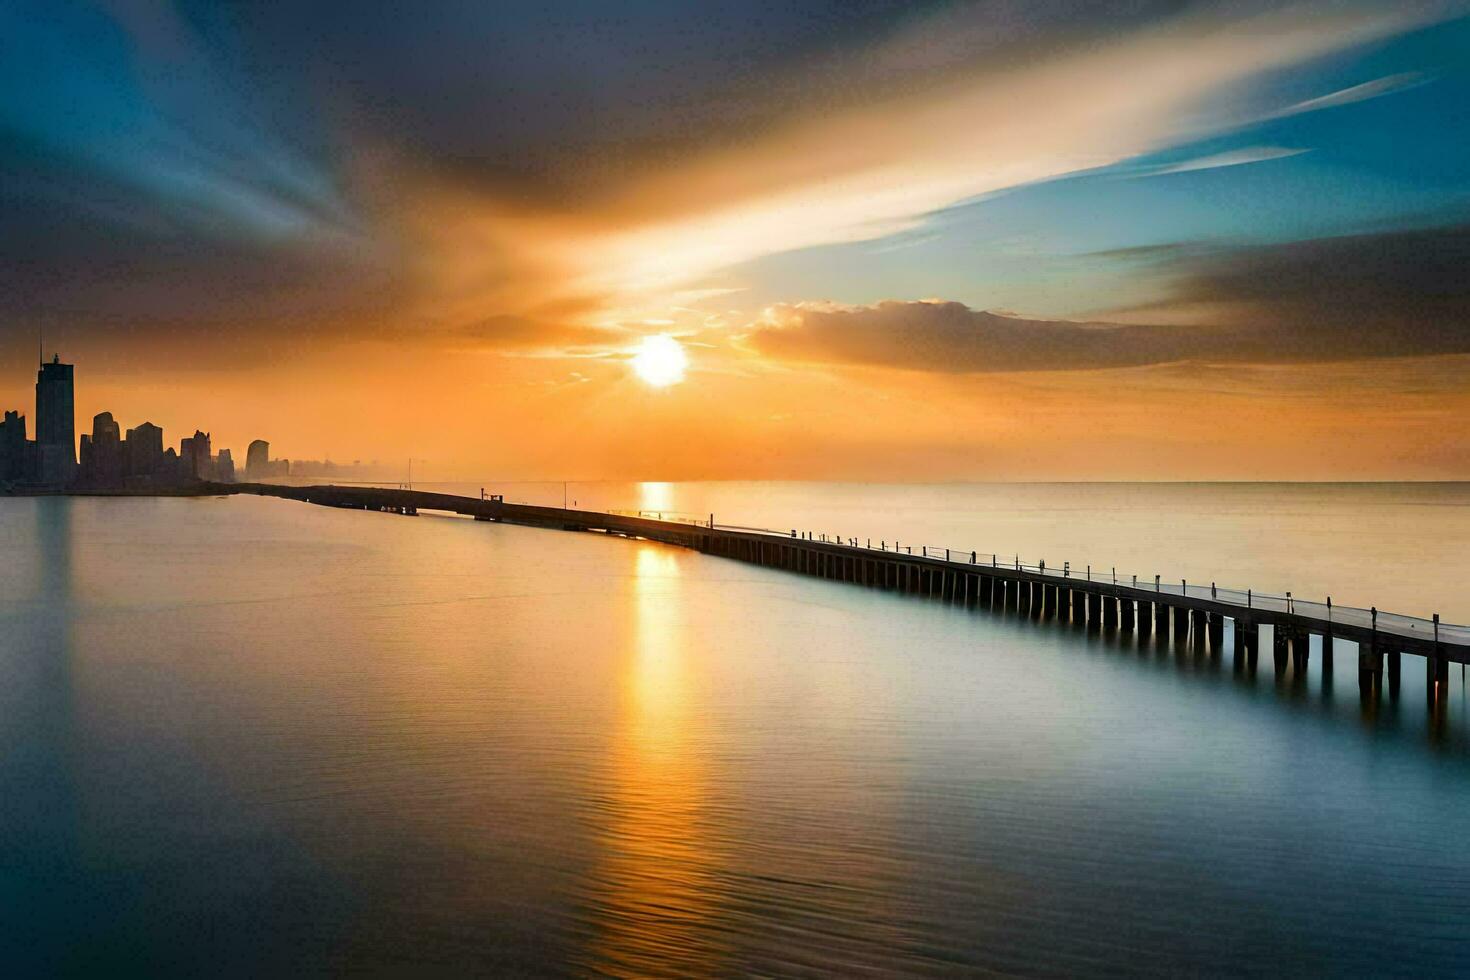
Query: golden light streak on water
x=657 y=885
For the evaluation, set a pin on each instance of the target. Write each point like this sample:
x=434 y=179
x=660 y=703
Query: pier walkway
x=1191 y=613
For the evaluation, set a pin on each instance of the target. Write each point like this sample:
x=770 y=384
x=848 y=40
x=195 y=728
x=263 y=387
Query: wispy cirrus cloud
x=1214 y=161
x=878 y=169
x=1376 y=88
x=869 y=171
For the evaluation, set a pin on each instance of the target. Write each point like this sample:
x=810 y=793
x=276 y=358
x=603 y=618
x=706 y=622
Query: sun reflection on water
x=658 y=892
x=656 y=497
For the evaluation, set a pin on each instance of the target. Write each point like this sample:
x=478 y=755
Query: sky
x=893 y=241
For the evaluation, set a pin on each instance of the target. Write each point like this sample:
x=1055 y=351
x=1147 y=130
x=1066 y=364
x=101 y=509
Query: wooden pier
x=1191 y=614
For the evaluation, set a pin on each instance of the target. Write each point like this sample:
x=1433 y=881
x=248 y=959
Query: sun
x=660 y=361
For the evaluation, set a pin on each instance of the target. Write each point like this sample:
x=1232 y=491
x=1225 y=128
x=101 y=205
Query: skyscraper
x=257 y=460
x=56 y=440
x=144 y=450
x=197 y=456
x=107 y=452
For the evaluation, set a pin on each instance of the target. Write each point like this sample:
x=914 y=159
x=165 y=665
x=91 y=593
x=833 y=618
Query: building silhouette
x=56 y=442
x=14 y=448
x=143 y=450
x=104 y=459
x=101 y=462
x=224 y=467
x=197 y=457
x=257 y=459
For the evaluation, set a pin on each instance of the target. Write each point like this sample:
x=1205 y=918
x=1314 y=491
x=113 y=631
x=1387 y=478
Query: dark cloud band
x=1386 y=295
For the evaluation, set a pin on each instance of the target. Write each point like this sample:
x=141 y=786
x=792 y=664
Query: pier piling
x=1370 y=667
x=1300 y=652
x=1198 y=628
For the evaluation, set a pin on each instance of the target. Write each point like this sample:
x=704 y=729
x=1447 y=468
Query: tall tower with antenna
x=56 y=439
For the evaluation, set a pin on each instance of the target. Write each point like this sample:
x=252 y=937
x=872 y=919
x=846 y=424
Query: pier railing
x=667 y=516
x=1288 y=603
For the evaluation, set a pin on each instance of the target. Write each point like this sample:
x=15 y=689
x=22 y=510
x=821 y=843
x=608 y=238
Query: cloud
x=950 y=338
x=494 y=165
x=1375 y=295
x=1230 y=158
x=130 y=98
x=1356 y=93
x=525 y=335
x=878 y=169
x=1370 y=296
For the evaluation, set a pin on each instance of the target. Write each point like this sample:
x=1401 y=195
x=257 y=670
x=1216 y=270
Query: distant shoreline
x=203 y=490
x=229 y=489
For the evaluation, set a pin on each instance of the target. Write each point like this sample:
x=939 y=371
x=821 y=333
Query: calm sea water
x=249 y=736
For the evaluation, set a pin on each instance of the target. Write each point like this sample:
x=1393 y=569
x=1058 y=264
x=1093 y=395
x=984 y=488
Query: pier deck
x=1198 y=611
